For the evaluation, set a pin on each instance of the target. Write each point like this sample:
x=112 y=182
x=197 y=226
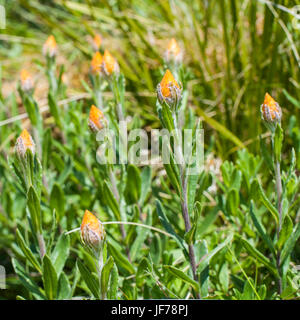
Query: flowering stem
x=279 y=207
x=184 y=200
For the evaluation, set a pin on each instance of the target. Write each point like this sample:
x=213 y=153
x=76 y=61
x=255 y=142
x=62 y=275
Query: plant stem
x=279 y=206
x=184 y=200
x=117 y=196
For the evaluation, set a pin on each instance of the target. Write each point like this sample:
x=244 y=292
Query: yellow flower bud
x=270 y=110
x=24 y=142
x=26 y=80
x=109 y=64
x=173 y=52
x=97 y=121
x=169 y=90
x=96 y=64
x=92 y=231
x=50 y=47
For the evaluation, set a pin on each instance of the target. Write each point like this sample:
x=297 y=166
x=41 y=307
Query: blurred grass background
x=234 y=52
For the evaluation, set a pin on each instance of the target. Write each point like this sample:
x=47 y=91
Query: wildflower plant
x=111 y=189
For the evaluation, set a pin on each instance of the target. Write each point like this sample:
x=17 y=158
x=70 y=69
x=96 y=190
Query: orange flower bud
x=50 y=47
x=96 y=42
x=270 y=110
x=173 y=52
x=96 y=63
x=169 y=90
x=92 y=231
x=24 y=142
x=110 y=64
x=26 y=80
x=97 y=121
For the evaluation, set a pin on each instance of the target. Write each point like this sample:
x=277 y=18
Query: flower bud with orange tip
x=96 y=42
x=270 y=110
x=97 y=121
x=26 y=80
x=169 y=91
x=173 y=52
x=92 y=232
x=96 y=64
x=50 y=47
x=110 y=65
x=24 y=143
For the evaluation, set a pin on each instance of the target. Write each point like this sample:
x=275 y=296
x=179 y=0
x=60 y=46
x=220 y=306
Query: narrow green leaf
x=258 y=255
x=111 y=201
x=260 y=228
x=33 y=204
x=90 y=281
x=168 y=227
x=290 y=243
x=49 y=278
x=57 y=200
x=132 y=190
x=181 y=275
x=60 y=253
x=105 y=276
x=120 y=259
x=113 y=285
x=27 y=252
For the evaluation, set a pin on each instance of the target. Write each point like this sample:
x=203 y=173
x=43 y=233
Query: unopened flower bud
x=50 y=47
x=109 y=65
x=173 y=52
x=96 y=64
x=96 y=42
x=169 y=91
x=97 y=121
x=24 y=143
x=270 y=110
x=26 y=80
x=92 y=231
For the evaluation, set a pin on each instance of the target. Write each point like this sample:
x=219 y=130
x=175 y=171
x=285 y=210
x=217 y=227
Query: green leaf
x=258 y=255
x=285 y=232
x=208 y=220
x=260 y=228
x=105 y=276
x=146 y=177
x=57 y=200
x=54 y=109
x=27 y=252
x=168 y=227
x=111 y=201
x=141 y=237
x=113 y=285
x=257 y=186
x=60 y=253
x=181 y=275
x=90 y=281
x=233 y=201
x=49 y=278
x=143 y=268
x=33 y=204
x=132 y=190
x=120 y=259
x=64 y=288
x=206 y=258
x=290 y=243
x=26 y=280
